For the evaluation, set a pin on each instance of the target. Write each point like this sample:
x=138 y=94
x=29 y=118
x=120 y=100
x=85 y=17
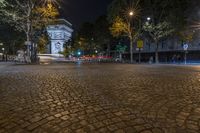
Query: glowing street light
x=79 y=53
x=148 y=18
x=131 y=13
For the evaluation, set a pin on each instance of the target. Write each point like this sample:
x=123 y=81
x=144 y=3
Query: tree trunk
x=30 y=49
x=131 y=50
x=156 y=54
x=28 y=30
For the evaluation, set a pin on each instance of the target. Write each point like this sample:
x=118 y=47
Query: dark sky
x=79 y=11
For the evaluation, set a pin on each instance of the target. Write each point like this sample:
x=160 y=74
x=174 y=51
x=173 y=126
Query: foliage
x=68 y=48
x=86 y=30
x=172 y=11
x=8 y=35
x=43 y=40
x=159 y=31
x=121 y=27
x=115 y=9
x=186 y=36
x=67 y=51
x=93 y=36
x=102 y=34
x=27 y=15
x=12 y=40
x=47 y=15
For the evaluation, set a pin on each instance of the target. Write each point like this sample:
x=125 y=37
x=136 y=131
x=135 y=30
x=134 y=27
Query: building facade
x=59 y=34
x=169 y=49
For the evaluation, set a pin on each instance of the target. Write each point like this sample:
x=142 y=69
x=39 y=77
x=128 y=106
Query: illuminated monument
x=59 y=33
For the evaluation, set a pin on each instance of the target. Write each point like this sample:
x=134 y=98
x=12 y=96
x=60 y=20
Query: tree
x=125 y=25
x=12 y=40
x=43 y=40
x=102 y=36
x=25 y=15
x=122 y=8
x=124 y=28
x=39 y=34
x=115 y=9
x=186 y=36
x=69 y=49
x=85 y=38
x=94 y=36
x=158 y=32
x=167 y=17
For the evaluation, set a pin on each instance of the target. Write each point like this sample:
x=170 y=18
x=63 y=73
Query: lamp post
x=131 y=14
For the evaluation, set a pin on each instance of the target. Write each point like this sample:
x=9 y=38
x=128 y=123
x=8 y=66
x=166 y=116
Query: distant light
x=96 y=51
x=148 y=18
x=131 y=13
x=79 y=53
x=3 y=49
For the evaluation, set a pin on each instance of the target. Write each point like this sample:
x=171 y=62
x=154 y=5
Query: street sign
x=140 y=44
x=185 y=47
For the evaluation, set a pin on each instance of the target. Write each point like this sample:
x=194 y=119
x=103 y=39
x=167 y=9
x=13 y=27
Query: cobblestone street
x=105 y=98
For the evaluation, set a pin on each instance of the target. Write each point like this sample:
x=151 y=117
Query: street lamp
x=79 y=53
x=148 y=18
x=131 y=13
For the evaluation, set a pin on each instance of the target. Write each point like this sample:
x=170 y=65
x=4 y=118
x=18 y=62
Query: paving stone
x=99 y=98
x=32 y=126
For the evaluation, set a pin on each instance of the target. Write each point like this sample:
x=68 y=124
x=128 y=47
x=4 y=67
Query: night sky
x=79 y=11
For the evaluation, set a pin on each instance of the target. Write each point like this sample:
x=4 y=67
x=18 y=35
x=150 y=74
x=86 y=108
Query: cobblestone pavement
x=99 y=98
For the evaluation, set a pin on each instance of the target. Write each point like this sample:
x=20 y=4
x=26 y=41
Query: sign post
x=140 y=45
x=185 y=47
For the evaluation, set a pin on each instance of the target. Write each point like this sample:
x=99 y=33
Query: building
x=170 y=48
x=60 y=32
